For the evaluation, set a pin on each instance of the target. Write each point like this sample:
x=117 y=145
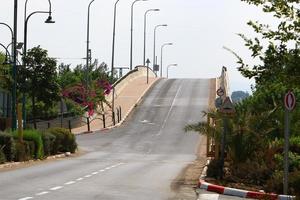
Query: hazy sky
x=198 y=28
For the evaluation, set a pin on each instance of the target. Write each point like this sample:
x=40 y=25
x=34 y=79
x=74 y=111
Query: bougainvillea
x=90 y=97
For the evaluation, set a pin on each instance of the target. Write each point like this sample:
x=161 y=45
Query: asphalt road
x=138 y=160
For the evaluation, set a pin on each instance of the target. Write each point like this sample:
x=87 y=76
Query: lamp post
x=161 y=56
x=87 y=44
x=154 y=46
x=12 y=35
x=26 y=19
x=113 y=42
x=171 y=65
x=131 y=30
x=145 y=27
x=14 y=69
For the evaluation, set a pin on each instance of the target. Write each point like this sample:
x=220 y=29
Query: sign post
x=148 y=62
x=227 y=109
x=290 y=103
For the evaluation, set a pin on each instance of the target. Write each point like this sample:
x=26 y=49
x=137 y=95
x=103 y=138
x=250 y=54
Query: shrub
x=35 y=136
x=23 y=152
x=7 y=145
x=65 y=141
x=48 y=142
x=2 y=156
x=213 y=169
x=294 y=183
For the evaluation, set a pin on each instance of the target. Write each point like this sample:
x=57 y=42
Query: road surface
x=138 y=160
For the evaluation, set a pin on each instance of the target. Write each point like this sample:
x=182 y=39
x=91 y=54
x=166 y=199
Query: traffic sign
x=227 y=107
x=218 y=102
x=290 y=101
x=220 y=92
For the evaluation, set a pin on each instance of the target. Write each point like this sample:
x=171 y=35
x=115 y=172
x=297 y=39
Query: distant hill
x=237 y=96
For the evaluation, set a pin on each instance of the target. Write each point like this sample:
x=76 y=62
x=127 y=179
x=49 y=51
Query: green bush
x=65 y=141
x=213 y=169
x=48 y=141
x=23 y=152
x=7 y=145
x=35 y=136
x=2 y=156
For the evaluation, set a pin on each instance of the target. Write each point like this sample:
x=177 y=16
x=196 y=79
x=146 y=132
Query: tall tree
x=38 y=78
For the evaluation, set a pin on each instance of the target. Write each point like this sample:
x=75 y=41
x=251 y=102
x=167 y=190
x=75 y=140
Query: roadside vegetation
x=35 y=144
x=44 y=86
x=255 y=140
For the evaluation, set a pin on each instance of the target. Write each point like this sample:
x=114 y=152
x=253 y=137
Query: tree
x=5 y=78
x=38 y=78
x=280 y=58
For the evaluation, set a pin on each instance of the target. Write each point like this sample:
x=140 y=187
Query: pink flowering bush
x=89 y=97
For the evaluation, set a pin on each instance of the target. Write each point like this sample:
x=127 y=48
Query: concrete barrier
x=139 y=71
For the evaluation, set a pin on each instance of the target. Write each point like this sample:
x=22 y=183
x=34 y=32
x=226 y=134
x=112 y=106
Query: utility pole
x=14 y=70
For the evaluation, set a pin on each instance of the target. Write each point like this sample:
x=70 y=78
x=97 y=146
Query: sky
x=199 y=29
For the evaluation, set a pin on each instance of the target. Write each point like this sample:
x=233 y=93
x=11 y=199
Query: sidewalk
x=127 y=100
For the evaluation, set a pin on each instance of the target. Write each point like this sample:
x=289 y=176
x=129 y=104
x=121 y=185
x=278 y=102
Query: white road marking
x=70 y=183
x=94 y=173
x=26 y=198
x=56 y=188
x=102 y=170
x=107 y=168
x=79 y=179
x=42 y=193
x=87 y=176
x=168 y=115
x=208 y=196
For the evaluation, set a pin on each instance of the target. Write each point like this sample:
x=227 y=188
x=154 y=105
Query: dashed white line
x=168 y=115
x=42 y=193
x=70 y=183
x=26 y=198
x=56 y=188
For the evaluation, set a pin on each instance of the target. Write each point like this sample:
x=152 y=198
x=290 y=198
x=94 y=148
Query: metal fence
x=5 y=104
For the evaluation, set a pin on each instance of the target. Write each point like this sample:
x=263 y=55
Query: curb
x=13 y=164
x=237 y=192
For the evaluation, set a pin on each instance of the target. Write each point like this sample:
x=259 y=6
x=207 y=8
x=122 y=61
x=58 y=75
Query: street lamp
x=161 y=56
x=113 y=42
x=26 y=19
x=154 y=46
x=171 y=65
x=145 y=21
x=12 y=35
x=88 y=55
x=131 y=30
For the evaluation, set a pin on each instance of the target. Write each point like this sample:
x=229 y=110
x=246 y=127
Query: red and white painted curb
x=238 y=192
x=241 y=193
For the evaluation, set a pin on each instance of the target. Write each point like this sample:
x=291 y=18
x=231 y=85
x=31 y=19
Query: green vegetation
x=36 y=144
x=255 y=137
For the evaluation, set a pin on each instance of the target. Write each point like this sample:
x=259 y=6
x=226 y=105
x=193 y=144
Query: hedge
x=36 y=144
x=7 y=146
x=65 y=141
